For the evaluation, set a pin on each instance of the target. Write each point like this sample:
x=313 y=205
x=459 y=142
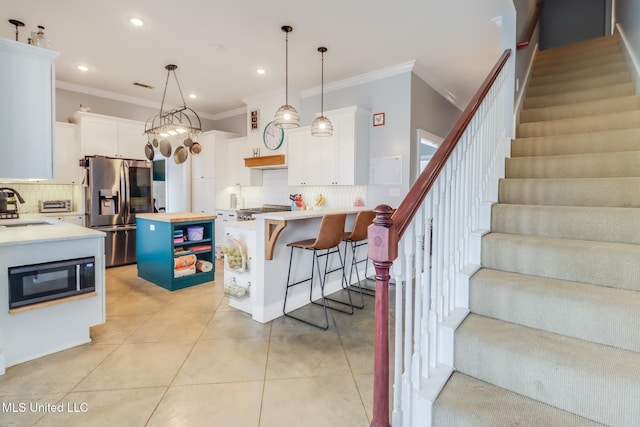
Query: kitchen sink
x=25 y=224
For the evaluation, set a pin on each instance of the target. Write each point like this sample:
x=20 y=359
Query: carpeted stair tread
x=598 y=314
x=588 y=58
x=603 y=92
x=604 y=192
x=469 y=402
x=603 y=122
x=558 y=67
x=589 y=45
x=615 y=265
x=594 y=381
x=579 y=84
x=581 y=109
x=592 y=142
x=555 y=76
x=591 y=165
x=615 y=225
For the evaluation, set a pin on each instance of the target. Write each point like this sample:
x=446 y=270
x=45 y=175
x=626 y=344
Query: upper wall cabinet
x=27 y=110
x=212 y=159
x=237 y=173
x=340 y=159
x=111 y=136
x=68 y=153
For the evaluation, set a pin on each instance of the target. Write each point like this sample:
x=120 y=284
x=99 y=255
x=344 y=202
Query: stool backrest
x=363 y=220
x=331 y=231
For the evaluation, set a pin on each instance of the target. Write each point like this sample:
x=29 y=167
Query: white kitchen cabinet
x=68 y=153
x=27 y=110
x=340 y=159
x=111 y=136
x=238 y=173
x=305 y=167
x=223 y=217
x=203 y=195
x=209 y=171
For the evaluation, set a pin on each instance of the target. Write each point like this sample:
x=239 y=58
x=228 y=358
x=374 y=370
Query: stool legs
x=315 y=262
x=354 y=264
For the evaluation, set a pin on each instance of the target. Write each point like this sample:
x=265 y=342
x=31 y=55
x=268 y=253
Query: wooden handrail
x=532 y=26
x=387 y=230
x=414 y=198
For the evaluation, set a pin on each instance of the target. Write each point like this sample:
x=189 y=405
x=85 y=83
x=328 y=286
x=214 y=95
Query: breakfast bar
x=270 y=258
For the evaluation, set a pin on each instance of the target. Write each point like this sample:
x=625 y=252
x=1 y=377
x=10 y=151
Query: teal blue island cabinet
x=175 y=250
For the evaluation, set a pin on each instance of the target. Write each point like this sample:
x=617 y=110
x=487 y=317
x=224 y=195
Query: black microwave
x=37 y=283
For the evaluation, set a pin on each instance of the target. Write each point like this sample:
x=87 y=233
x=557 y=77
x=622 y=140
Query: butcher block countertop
x=176 y=216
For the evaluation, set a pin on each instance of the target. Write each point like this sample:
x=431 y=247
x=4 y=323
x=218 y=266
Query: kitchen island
x=43 y=328
x=269 y=260
x=175 y=250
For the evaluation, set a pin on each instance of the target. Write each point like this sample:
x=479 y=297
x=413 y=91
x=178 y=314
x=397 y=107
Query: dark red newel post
x=383 y=249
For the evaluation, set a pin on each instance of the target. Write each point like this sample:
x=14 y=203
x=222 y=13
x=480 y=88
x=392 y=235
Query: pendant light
x=287 y=117
x=322 y=126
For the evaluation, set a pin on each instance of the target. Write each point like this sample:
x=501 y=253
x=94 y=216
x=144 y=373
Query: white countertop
x=310 y=213
x=33 y=231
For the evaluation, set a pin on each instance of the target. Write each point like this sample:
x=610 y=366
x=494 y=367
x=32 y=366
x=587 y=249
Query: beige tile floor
x=185 y=358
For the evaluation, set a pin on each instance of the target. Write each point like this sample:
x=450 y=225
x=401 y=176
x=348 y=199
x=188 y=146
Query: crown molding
x=138 y=101
x=404 y=67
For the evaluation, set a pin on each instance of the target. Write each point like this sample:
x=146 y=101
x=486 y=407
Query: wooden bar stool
x=356 y=238
x=327 y=243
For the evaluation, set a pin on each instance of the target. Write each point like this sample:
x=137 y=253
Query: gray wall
x=524 y=12
x=68 y=102
x=235 y=124
x=570 y=21
x=430 y=111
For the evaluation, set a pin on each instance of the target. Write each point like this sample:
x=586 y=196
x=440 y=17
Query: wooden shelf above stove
x=276 y=161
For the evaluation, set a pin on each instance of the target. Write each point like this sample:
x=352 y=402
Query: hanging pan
x=180 y=155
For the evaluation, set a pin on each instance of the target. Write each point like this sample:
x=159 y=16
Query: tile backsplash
x=33 y=192
x=275 y=190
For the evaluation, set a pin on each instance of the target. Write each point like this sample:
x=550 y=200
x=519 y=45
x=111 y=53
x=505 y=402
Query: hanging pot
x=188 y=142
x=180 y=155
x=155 y=142
x=165 y=147
x=149 y=151
x=195 y=148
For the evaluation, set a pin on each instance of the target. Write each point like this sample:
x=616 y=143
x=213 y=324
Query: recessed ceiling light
x=261 y=71
x=193 y=96
x=82 y=68
x=137 y=22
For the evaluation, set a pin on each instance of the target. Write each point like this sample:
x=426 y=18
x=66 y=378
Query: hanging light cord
x=169 y=69
x=286 y=69
x=322 y=83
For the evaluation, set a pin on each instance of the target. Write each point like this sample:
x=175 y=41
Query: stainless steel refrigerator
x=116 y=190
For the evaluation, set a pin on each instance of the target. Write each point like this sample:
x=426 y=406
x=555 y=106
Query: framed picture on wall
x=378 y=119
x=254 y=120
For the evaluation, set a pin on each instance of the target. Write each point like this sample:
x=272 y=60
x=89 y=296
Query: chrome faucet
x=7 y=189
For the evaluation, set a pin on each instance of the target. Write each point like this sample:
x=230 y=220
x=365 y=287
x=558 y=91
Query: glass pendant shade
x=321 y=126
x=287 y=117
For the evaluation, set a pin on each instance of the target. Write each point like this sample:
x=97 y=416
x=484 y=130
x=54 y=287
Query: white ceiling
x=218 y=45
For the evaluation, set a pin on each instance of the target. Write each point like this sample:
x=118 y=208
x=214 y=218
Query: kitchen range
x=247 y=214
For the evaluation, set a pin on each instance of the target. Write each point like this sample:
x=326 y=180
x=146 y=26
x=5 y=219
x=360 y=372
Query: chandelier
x=181 y=125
